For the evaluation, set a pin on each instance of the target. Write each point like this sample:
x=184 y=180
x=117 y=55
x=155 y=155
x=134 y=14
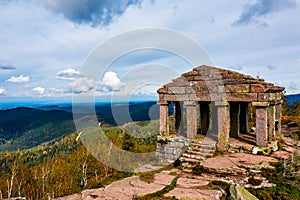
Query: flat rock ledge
x=125 y=189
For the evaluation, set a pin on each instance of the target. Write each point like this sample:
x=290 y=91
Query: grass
x=286 y=187
x=160 y=194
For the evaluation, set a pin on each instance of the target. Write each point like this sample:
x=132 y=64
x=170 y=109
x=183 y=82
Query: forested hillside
x=22 y=128
x=64 y=166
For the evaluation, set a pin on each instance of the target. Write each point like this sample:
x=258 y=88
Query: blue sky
x=44 y=43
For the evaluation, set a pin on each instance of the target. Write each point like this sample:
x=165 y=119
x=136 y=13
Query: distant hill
x=22 y=128
x=293 y=97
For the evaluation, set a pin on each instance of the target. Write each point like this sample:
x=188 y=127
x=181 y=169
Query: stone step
x=190 y=160
x=199 y=157
x=188 y=170
x=197 y=151
x=202 y=146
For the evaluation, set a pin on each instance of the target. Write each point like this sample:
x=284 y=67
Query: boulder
x=238 y=192
x=220 y=147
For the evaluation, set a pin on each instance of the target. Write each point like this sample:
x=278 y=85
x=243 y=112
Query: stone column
x=261 y=123
x=271 y=122
x=278 y=114
x=163 y=117
x=214 y=118
x=191 y=118
x=244 y=118
x=204 y=117
x=177 y=115
x=235 y=120
x=223 y=121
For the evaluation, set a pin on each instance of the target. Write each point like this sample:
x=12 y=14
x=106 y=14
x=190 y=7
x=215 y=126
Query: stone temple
x=218 y=102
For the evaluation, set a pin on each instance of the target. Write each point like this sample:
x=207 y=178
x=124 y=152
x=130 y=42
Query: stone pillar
x=278 y=114
x=177 y=115
x=214 y=118
x=271 y=122
x=191 y=118
x=198 y=118
x=223 y=121
x=235 y=120
x=261 y=123
x=163 y=117
x=204 y=117
x=244 y=118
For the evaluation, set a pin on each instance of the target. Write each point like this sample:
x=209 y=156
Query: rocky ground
x=239 y=169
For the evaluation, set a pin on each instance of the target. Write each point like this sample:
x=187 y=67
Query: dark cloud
x=92 y=12
x=7 y=67
x=261 y=8
x=271 y=67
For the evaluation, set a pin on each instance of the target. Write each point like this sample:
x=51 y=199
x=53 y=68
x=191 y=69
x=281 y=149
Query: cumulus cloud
x=18 y=79
x=67 y=74
x=93 y=12
x=83 y=85
x=110 y=82
x=39 y=90
x=252 y=12
x=2 y=90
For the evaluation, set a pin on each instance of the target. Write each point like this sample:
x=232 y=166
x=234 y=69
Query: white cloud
x=83 y=85
x=110 y=82
x=18 y=79
x=67 y=74
x=39 y=90
x=2 y=90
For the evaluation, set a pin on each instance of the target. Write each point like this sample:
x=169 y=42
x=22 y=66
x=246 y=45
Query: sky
x=46 y=44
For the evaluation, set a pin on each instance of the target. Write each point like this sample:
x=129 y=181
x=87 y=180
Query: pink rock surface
x=194 y=193
x=188 y=183
x=281 y=155
x=125 y=189
x=236 y=159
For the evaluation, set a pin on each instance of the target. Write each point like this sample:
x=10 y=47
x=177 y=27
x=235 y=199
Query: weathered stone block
x=178 y=84
x=272 y=96
x=244 y=97
x=201 y=89
x=258 y=88
x=241 y=88
x=162 y=90
x=170 y=97
x=189 y=90
x=191 y=73
x=260 y=104
x=176 y=90
x=262 y=97
x=212 y=89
